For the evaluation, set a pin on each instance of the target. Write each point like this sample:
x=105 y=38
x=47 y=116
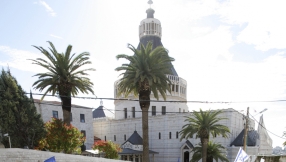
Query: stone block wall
x=25 y=155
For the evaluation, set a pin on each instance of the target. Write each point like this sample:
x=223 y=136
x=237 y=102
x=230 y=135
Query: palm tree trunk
x=145 y=128
x=205 y=149
x=66 y=106
x=144 y=101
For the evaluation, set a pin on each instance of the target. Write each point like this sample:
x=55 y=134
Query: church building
x=165 y=118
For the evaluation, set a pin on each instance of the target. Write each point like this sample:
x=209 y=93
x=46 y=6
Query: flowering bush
x=109 y=148
x=61 y=138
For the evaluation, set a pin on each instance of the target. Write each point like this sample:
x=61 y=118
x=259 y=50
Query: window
x=114 y=137
x=159 y=135
x=55 y=114
x=177 y=135
x=82 y=119
x=173 y=87
x=170 y=135
x=177 y=88
x=124 y=137
x=83 y=132
x=153 y=110
x=163 y=110
x=104 y=138
x=179 y=110
x=183 y=111
x=133 y=112
x=125 y=113
x=71 y=117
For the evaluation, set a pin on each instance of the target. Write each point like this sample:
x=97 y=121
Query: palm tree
x=145 y=73
x=204 y=123
x=214 y=152
x=64 y=76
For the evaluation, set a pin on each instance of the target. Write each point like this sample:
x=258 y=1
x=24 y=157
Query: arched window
x=159 y=135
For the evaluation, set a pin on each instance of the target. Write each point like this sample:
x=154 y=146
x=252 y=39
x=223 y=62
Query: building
x=81 y=117
x=167 y=118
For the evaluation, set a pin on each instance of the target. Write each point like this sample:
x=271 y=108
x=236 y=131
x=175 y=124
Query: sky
x=228 y=51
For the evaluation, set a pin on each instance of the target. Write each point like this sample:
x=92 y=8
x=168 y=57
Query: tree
x=204 y=123
x=145 y=73
x=214 y=152
x=64 y=76
x=61 y=137
x=109 y=148
x=18 y=114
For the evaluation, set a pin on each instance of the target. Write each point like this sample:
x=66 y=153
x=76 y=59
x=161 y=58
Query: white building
x=167 y=118
x=81 y=117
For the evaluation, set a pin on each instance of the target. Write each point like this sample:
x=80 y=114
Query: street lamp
x=261 y=111
x=7 y=135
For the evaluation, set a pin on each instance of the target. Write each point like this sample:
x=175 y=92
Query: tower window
x=104 y=138
x=114 y=137
x=153 y=110
x=177 y=135
x=163 y=110
x=159 y=135
x=125 y=113
x=170 y=135
x=133 y=112
x=124 y=137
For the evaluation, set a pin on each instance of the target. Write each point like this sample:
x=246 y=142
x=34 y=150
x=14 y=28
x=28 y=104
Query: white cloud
x=55 y=36
x=48 y=8
x=19 y=59
x=264 y=20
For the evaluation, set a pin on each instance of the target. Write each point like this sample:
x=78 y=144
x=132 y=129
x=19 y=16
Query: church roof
x=130 y=151
x=156 y=42
x=252 y=136
x=135 y=139
x=98 y=113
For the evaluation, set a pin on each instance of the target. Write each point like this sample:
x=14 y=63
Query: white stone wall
x=25 y=155
x=169 y=149
x=171 y=107
x=46 y=108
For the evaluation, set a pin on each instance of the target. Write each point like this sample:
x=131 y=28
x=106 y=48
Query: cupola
x=150 y=26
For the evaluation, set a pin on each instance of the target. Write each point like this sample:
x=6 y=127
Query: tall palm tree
x=204 y=123
x=64 y=75
x=145 y=73
x=214 y=152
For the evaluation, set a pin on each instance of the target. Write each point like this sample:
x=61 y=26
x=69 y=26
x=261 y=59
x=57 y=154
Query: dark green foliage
x=65 y=75
x=18 y=115
x=215 y=152
x=203 y=124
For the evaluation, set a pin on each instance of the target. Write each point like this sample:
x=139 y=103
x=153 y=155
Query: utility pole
x=245 y=130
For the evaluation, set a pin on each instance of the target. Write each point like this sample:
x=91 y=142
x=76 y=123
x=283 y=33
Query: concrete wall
x=169 y=149
x=25 y=155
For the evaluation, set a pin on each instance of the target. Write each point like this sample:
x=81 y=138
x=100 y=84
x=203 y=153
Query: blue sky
x=227 y=50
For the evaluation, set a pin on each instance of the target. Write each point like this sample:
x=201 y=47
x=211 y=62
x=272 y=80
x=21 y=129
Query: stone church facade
x=167 y=118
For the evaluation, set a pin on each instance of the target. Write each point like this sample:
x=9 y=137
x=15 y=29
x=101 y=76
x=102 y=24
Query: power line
x=171 y=101
x=267 y=129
